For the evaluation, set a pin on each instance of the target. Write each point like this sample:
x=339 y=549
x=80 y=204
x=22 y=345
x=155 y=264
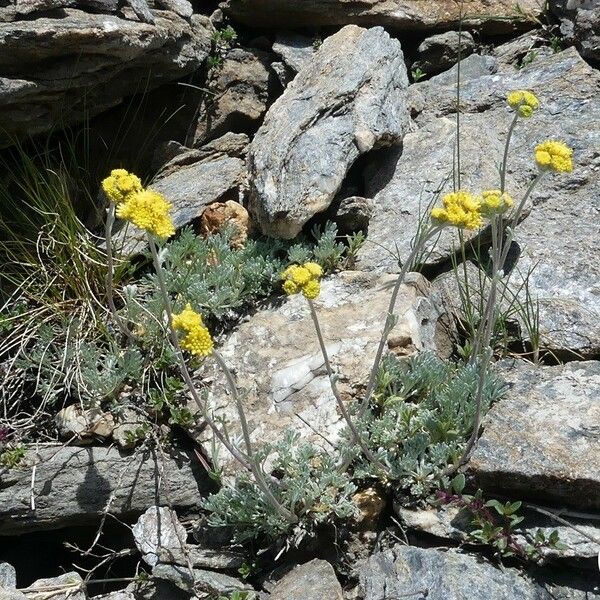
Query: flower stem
x=355 y=433
x=109 y=280
x=255 y=468
x=505 y=158
x=183 y=365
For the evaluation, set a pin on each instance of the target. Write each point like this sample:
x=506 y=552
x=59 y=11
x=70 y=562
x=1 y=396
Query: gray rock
x=521 y=50
x=294 y=49
x=449 y=522
x=352 y=214
x=183 y=8
x=147 y=590
x=580 y=24
x=158 y=530
x=44 y=78
x=11 y=594
x=283 y=72
x=69 y=586
x=348 y=100
x=74 y=486
x=278 y=365
x=202 y=177
x=541 y=439
x=560 y=239
x=141 y=10
x=8 y=576
x=241 y=87
x=26 y=7
x=199 y=580
x=439 y=52
x=450 y=575
x=204 y=558
x=399 y=15
x=314 y=580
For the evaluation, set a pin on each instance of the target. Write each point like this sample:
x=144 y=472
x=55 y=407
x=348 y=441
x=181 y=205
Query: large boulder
x=541 y=439
x=279 y=368
x=67 y=65
x=399 y=15
x=73 y=486
x=559 y=242
x=349 y=98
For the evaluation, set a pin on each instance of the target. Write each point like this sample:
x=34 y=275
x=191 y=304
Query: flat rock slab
x=314 y=580
x=349 y=98
x=400 y=15
x=542 y=439
x=278 y=365
x=449 y=522
x=73 y=486
x=419 y=573
x=64 y=69
x=559 y=241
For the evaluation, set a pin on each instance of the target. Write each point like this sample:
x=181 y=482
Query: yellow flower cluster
x=523 y=102
x=495 y=202
x=554 y=156
x=303 y=278
x=461 y=209
x=148 y=210
x=120 y=185
x=197 y=338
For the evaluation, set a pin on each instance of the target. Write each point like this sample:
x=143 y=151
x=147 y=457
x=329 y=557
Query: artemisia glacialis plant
x=367 y=444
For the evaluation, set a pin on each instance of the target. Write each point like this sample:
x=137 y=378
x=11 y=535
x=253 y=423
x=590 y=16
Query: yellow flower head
x=523 y=102
x=461 y=209
x=312 y=289
x=314 y=269
x=302 y=278
x=121 y=185
x=554 y=156
x=495 y=202
x=148 y=210
x=197 y=339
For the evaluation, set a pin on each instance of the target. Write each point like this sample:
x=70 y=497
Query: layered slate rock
x=542 y=440
x=399 y=15
x=314 y=580
x=407 y=571
x=449 y=522
x=580 y=25
x=192 y=180
x=347 y=100
x=559 y=242
x=278 y=365
x=76 y=485
x=67 y=65
x=439 y=52
x=240 y=92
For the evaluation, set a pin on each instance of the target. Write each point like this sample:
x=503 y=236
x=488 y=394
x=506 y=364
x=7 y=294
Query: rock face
x=580 y=25
x=295 y=50
x=400 y=15
x=314 y=580
x=541 y=439
x=239 y=95
x=60 y=69
x=349 y=99
x=279 y=367
x=75 y=485
x=449 y=522
x=559 y=241
x=405 y=571
x=439 y=52
x=193 y=180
